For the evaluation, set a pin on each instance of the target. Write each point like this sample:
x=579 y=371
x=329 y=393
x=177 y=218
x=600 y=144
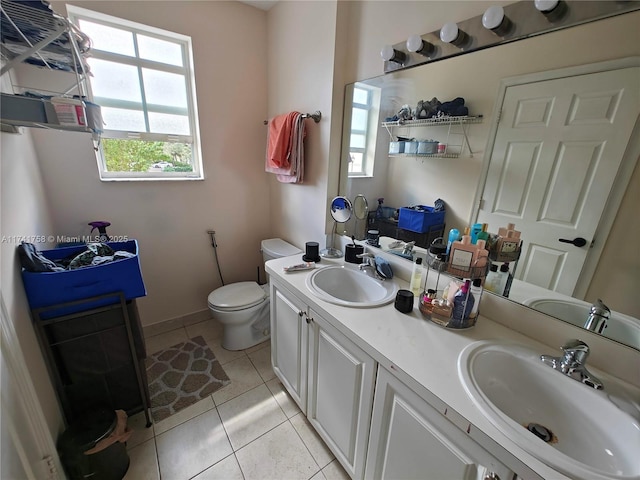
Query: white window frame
x=368 y=152
x=78 y=13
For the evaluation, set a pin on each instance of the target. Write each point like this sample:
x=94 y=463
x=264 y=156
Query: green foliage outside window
x=143 y=156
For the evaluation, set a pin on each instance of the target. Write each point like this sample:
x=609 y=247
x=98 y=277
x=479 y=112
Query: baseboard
x=177 y=322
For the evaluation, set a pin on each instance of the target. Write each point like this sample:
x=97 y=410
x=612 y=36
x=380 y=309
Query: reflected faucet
x=407 y=247
x=572 y=363
x=598 y=317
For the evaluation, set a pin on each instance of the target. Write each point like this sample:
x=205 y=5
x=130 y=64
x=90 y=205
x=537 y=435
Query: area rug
x=181 y=375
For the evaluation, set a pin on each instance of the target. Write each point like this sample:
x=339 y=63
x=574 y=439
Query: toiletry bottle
x=492 y=283
x=379 y=211
x=503 y=272
x=461 y=256
x=476 y=228
x=509 y=280
x=462 y=304
x=511 y=227
x=476 y=291
x=454 y=235
x=426 y=305
x=508 y=245
x=481 y=259
x=484 y=234
x=416 y=277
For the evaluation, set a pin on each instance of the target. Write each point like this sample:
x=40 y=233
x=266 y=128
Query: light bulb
x=546 y=6
x=493 y=17
x=390 y=54
x=449 y=32
x=416 y=44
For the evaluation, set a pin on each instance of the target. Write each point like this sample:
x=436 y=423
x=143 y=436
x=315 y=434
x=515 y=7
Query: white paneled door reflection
x=557 y=152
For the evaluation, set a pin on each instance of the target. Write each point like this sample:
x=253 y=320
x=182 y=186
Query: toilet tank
x=277 y=248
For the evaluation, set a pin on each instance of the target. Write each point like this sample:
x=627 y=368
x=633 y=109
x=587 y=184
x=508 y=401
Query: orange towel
x=279 y=140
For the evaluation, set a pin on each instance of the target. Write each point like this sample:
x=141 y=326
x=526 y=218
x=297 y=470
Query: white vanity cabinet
x=375 y=425
x=330 y=378
x=289 y=343
x=341 y=381
x=411 y=439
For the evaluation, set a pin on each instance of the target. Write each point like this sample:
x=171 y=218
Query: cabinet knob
x=491 y=476
x=309 y=320
x=300 y=313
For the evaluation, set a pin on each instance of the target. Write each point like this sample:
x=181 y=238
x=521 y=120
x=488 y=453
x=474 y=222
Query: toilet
x=243 y=307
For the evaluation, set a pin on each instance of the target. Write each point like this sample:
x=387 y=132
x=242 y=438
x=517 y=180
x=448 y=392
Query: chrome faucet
x=369 y=261
x=572 y=363
x=598 y=317
x=369 y=264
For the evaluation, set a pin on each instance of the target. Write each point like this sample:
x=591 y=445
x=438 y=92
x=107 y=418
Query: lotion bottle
x=454 y=235
x=504 y=276
x=476 y=229
x=416 y=277
x=492 y=283
x=476 y=291
x=463 y=303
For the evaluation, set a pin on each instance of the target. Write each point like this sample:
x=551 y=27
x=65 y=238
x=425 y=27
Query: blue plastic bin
x=45 y=289
x=419 y=221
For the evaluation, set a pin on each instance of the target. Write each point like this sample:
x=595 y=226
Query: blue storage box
x=45 y=289
x=419 y=218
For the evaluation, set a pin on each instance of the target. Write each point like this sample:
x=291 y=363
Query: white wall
x=170 y=219
x=301 y=56
x=24 y=213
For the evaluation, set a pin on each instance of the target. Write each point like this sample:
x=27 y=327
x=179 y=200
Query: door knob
x=578 y=241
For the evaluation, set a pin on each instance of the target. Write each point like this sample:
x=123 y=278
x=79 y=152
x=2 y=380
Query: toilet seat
x=237 y=296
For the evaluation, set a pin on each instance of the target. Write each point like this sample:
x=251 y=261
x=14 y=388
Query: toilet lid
x=237 y=296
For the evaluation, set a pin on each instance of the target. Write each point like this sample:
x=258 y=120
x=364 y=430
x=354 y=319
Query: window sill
x=150 y=179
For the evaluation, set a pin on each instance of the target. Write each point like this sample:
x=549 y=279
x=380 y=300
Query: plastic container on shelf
x=427 y=147
x=411 y=147
x=419 y=218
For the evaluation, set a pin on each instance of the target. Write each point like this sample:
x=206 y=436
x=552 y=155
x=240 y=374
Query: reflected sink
x=589 y=436
x=620 y=327
x=350 y=287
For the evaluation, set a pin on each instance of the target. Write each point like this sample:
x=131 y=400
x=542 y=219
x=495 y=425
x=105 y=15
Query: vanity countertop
x=421 y=353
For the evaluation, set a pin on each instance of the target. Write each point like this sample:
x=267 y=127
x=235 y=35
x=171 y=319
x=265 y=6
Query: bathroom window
x=362 y=140
x=142 y=78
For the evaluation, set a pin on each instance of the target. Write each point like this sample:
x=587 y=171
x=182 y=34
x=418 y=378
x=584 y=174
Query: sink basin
x=620 y=327
x=350 y=287
x=589 y=436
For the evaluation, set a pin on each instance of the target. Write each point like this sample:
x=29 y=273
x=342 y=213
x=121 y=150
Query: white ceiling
x=261 y=4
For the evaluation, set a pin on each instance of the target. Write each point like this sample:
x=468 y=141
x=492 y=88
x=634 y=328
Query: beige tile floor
x=250 y=429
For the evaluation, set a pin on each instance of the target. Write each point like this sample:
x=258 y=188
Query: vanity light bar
x=499 y=25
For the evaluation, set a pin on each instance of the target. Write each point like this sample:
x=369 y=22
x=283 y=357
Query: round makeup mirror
x=361 y=212
x=360 y=207
x=341 y=209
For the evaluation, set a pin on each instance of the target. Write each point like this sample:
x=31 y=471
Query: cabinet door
x=411 y=439
x=341 y=382
x=289 y=343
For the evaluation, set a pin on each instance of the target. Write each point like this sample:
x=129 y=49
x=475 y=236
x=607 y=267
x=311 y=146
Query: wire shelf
x=427 y=122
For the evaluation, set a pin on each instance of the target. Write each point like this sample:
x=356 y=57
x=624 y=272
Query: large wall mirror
x=485 y=171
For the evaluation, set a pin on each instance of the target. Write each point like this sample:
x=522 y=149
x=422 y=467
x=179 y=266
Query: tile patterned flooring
x=250 y=429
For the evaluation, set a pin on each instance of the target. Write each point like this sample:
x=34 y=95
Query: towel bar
x=317 y=115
